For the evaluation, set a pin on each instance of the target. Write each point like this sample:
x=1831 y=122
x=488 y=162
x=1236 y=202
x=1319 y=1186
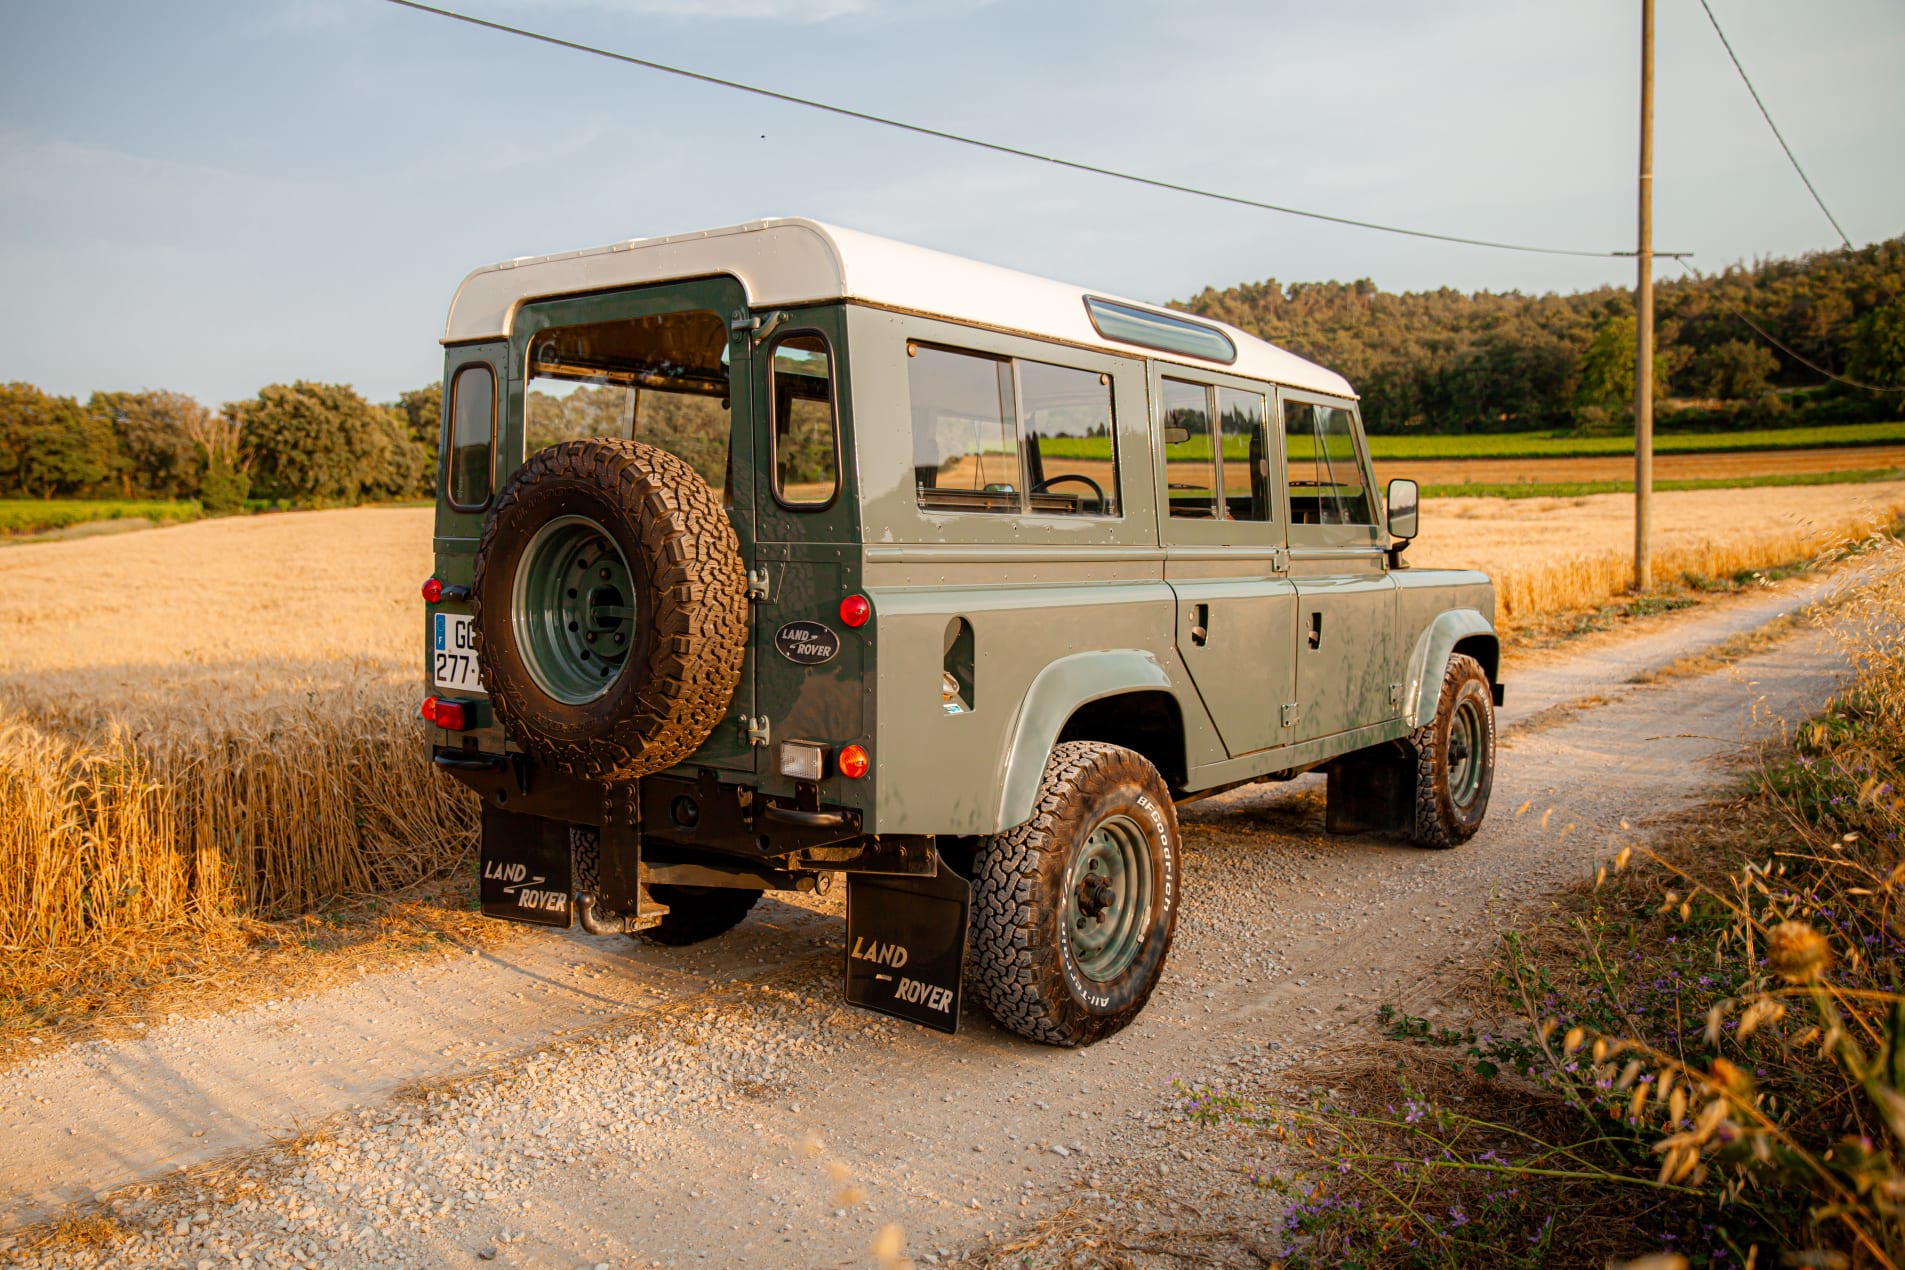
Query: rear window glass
x=1149 y=329
x=994 y=434
x=472 y=436
x=662 y=379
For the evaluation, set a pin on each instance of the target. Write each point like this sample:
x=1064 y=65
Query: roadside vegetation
x=1581 y=489
x=1570 y=445
x=25 y=516
x=1699 y=1056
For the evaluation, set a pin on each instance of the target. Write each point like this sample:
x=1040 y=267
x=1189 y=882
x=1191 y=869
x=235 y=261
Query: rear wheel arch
x=1070 y=689
x=1149 y=722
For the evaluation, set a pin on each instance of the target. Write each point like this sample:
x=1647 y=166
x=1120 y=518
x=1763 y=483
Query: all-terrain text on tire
x=780 y=552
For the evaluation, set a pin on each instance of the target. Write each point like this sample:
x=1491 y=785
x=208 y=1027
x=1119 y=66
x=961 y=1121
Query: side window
x=800 y=377
x=1071 y=456
x=1246 y=454
x=472 y=436
x=965 y=435
x=1190 y=458
x=1326 y=479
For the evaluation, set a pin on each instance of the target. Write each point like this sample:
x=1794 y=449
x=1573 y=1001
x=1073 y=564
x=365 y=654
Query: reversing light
x=432 y=590
x=854 y=762
x=855 y=610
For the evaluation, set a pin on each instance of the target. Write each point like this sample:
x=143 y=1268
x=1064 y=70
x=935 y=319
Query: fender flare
x=1429 y=660
x=1054 y=696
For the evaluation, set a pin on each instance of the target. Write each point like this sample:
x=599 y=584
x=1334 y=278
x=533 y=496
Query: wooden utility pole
x=1644 y=318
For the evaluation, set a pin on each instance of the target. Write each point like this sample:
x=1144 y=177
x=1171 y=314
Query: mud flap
x=906 y=945
x=1372 y=790
x=524 y=869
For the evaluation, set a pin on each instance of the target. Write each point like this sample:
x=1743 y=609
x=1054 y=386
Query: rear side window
x=472 y=436
x=806 y=466
x=995 y=434
x=1326 y=474
x=1190 y=458
x=1246 y=456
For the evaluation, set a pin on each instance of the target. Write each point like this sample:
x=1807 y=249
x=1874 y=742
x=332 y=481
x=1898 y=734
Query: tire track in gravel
x=677 y=1123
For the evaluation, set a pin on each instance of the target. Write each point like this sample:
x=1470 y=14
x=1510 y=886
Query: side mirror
x=1404 y=498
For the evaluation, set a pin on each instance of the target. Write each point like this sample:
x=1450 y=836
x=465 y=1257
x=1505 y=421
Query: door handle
x=1200 y=624
x=1316 y=630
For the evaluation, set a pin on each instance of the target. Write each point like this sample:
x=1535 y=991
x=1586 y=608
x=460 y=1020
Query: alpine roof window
x=1165 y=332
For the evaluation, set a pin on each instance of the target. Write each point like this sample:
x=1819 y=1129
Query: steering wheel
x=1097 y=490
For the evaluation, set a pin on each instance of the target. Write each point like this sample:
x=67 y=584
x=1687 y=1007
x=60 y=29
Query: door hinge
x=1279 y=560
x=757 y=584
x=1395 y=694
x=754 y=731
x=1291 y=713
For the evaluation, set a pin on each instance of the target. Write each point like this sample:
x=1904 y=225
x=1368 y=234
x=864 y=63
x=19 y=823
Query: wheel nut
x=590 y=637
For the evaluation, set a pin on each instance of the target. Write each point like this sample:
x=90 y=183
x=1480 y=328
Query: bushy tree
x=155 y=433
x=53 y=445
x=1878 y=347
x=317 y=443
x=1604 y=395
x=1737 y=370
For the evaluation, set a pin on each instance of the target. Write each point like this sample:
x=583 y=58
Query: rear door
x=666 y=365
x=1225 y=555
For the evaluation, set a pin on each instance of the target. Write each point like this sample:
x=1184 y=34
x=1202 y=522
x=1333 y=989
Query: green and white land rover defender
x=780 y=551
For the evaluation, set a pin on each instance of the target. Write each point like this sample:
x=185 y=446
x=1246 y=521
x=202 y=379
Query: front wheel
x=1455 y=758
x=1073 y=910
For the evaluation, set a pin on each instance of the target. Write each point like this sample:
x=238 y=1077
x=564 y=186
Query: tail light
x=451 y=716
x=855 y=610
x=432 y=590
x=854 y=762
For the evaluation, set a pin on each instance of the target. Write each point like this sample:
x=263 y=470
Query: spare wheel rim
x=573 y=610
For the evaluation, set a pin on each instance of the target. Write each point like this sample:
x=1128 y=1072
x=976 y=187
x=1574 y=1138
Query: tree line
x=1447 y=361
x=1441 y=361
x=305 y=444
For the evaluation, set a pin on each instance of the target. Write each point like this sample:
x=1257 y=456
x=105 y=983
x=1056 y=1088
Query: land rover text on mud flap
x=780 y=551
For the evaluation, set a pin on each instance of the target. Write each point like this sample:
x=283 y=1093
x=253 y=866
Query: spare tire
x=609 y=608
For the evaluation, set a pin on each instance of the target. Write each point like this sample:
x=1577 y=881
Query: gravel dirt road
x=562 y=1101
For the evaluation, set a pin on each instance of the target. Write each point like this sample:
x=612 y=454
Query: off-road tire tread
x=1433 y=826
x=698 y=609
x=697 y=915
x=1010 y=965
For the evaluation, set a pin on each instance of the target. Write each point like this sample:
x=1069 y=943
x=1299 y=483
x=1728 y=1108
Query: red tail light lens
x=450 y=715
x=854 y=762
x=855 y=610
x=429 y=711
x=432 y=590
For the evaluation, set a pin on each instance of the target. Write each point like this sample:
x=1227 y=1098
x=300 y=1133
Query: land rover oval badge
x=807 y=643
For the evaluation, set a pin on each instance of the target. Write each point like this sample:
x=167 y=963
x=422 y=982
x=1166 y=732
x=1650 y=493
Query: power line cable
x=994 y=146
x=1768 y=116
x=1767 y=336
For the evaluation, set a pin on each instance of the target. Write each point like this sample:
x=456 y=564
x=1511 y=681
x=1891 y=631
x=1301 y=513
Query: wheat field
x=217 y=721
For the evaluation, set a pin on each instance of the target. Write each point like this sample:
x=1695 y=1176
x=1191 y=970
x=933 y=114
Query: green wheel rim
x=1466 y=756
x=574 y=610
x=1109 y=900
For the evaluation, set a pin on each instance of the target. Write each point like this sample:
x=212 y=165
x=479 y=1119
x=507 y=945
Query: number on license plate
x=453 y=653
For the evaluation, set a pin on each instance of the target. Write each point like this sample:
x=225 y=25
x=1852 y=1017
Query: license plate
x=453 y=653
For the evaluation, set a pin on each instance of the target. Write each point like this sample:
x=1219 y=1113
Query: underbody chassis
x=560 y=851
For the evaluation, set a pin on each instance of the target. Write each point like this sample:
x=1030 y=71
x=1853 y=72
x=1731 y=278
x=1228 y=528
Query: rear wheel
x=1073 y=910
x=1455 y=758
x=696 y=913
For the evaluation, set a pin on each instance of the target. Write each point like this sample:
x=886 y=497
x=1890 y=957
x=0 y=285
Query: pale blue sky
x=211 y=196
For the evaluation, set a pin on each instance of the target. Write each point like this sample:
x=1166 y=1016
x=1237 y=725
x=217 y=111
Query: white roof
x=788 y=261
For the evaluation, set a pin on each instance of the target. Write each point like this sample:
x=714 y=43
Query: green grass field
x=37 y=516
x=1576 y=489
x=1552 y=445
